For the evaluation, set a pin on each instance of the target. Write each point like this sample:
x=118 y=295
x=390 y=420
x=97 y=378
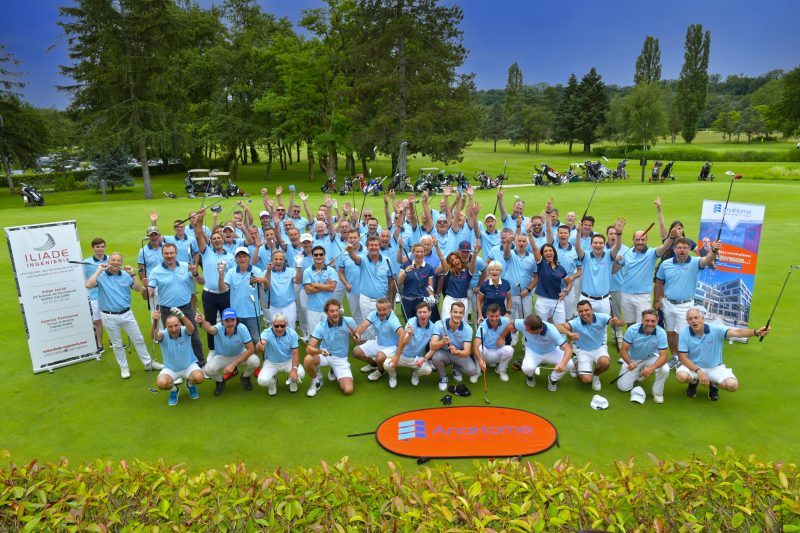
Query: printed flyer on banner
x=52 y=294
x=726 y=292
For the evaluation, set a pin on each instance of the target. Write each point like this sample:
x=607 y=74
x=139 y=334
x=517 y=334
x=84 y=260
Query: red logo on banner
x=466 y=432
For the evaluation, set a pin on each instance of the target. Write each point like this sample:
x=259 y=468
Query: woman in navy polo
x=456 y=281
x=416 y=281
x=494 y=290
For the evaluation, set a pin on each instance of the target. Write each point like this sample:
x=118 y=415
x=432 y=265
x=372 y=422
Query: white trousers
x=629 y=378
x=448 y=301
x=548 y=307
x=114 y=325
x=269 y=370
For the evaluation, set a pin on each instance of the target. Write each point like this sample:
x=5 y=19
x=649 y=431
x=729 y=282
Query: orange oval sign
x=466 y=432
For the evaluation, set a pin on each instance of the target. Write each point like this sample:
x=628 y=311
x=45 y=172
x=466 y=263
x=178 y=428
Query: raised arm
x=711 y=256
x=501 y=204
x=660 y=214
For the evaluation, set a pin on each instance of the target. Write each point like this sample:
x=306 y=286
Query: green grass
x=86 y=411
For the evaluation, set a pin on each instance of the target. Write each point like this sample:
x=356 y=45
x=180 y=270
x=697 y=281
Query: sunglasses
x=319 y=255
x=279 y=326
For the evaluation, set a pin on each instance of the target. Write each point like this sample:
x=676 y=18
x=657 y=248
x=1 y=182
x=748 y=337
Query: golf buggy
x=230 y=190
x=198 y=181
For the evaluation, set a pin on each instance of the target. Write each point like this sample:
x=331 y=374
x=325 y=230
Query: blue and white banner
x=52 y=294
x=726 y=292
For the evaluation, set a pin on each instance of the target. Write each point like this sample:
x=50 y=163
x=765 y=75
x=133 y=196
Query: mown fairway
x=86 y=411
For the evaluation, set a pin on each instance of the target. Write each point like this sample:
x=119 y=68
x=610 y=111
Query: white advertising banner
x=52 y=294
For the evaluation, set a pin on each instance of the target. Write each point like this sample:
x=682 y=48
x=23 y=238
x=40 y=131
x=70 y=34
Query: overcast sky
x=549 y=39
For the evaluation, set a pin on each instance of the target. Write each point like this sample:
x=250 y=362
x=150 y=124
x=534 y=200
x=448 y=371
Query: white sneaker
x=414 y=378
x=331 y=375
x=155 y=365
x=530 y=381
x=457 y=375
x=503 y=375
x=367 y=369
x=292 y=386
x=443 y=384
x=658 y=398
x=393 y=381
x=272 y=387
x=316 y=384
x=552 y=386
x=596 y=385
x=125 y=372
x=375 y=375
x=474 y=379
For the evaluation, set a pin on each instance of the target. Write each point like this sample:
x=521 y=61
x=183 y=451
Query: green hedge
x=667 y=153
x=59 y=181
x=726 y=493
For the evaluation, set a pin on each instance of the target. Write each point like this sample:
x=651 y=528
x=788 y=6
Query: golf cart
x=197 y=181
x=230 y=189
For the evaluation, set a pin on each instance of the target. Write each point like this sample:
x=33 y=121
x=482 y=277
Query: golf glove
x=298 y=259
x=177 y=312
x=430 y=300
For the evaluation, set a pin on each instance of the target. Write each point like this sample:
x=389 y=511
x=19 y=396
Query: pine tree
x=648 y=64
x=566 y=119
x=693 y=80
x=592 y=104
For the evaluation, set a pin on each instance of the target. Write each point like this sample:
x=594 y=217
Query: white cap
x=263 y=214
x=638 y=395
x=598 y=402
x=241 y=250
x=306 y=237
x=487 y=217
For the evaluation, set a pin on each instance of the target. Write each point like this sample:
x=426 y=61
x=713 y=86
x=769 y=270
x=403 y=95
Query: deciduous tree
x=648 y=64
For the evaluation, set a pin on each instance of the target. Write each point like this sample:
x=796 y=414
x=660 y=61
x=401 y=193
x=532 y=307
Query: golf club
x=590 y=199
x=639 y=364
x=375 y=154
x=483 y=356
x=649 y=228
x=497 y=202
x=146 y=291
x=792 y=268
x=82 y=263
x=150 y=387
x=201 y=207
x=255 y=308
x=734 y=177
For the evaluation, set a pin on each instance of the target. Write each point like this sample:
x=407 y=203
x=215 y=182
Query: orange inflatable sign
x=466 y=432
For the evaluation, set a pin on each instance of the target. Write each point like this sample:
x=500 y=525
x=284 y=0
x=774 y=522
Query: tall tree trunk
x=7 y=167
x=401 y=72
x=269 y=160
x=570 y=147
x=364 y=165
x=280 y=155
x=495 y=146
x=310 y=155
x=298 y=150
x=587 y=148
x=254 y=157
x=350 y=165
x=289 y=153
x=148 y=190
x=243 y=153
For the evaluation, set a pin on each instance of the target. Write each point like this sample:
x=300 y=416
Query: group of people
x=269 y=281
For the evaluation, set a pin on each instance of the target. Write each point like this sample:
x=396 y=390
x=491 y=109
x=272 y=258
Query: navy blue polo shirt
x=416 y=283
x=457 y=285
x=495 y=294
x=550 y=280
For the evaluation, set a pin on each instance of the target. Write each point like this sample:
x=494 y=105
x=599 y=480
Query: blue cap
x=228 y=313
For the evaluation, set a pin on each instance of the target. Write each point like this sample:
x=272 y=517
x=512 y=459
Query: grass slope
x=86 y=411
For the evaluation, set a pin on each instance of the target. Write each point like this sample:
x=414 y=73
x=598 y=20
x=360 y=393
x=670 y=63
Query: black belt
x=411 y=298
x=679 y=302
x=117 y=312
x=594 y=297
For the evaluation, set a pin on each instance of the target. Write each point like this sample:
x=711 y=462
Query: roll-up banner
x=726 y=292
x=52 y=294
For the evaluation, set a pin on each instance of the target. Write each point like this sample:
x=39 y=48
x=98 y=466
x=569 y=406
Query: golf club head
x=216 y=208
x=252 y=299
x=375 y=149
x=152 y=390
x=730 y=173
x=794 y=267
x=604 y=158
x=516 y=197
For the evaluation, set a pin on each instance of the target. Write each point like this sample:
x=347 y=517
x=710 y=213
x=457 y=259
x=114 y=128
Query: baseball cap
x=228 y=313
x=464 y=247
x=306 y=237
x=152 y=229
x=598 y=402
x=487 y=217
x=638 y=395
x=241 y=250
x=228 y=228
x=263 y=214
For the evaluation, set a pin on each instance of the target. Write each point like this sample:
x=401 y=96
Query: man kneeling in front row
x=645 y=352
x=179 y=359
x=279 y=344
x=233 y=347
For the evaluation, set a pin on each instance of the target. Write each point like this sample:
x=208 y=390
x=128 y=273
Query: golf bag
x=425 y=183
x=667 y=172
x=329 y=187
x=483 y=180
x=400 y=183
x=571 y=175
x=231 y=189
x=656 y=171
x=620 y=173
x=374 y=187
x=596 y=171
x=30 y=195
x=347 y=186
x=552 y=175
x=705 y=173
x=538 y=179
x=461 y=181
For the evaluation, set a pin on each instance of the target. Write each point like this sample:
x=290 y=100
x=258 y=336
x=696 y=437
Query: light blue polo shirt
x=480 y=266
x=446 y=241
x=462 y=334
x=596 y=273
x=488 y=240
x=281 y=287
x=374 y=276
x=385 y=329
x=279 y=348
x=291 y=253
x=680 y=279
x=418 y=344
x=618 y=279
x=300 y=223
x=489 y=335
x=210 y=261
x=705 y=350
x=510 y=222
x=568 y=258
x=643 y=346
x=174 y=286
x=264 y=256
x=335 y=337
x=150 y=258
x=241 y=290
x=88 y=270
x=185 y=246
x=543 y=342
x=177 y=353
x=231 y=346
x=352 y=272
x=464 y=234
x=316 y=301
x=518 y=270
x=540 y=240
x=114 y=291
x=592 y=334
x=326 y=243
x=235 y=243
x=638 y=268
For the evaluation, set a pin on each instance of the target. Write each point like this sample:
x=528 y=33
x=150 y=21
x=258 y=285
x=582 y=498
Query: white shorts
x=549 y=307
x=634 y=304
x=269 y=370
x=533 y=359
x=588 y=358
x=371 y=349
x=340 y=365
x=95 y=305
x=717 y=375
x=675 y=315
x=182 y=374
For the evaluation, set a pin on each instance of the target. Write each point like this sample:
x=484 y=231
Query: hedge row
x=668 y=153
x=725 y=493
